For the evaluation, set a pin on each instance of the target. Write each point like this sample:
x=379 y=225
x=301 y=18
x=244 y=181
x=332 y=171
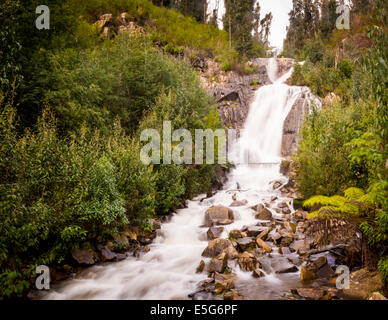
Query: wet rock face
x=294 y=121
x=232 y=91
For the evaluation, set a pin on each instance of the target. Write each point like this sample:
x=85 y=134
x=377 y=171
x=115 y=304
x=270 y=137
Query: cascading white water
x=168 y=270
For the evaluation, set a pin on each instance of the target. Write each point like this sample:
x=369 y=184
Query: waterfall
x=168 y=270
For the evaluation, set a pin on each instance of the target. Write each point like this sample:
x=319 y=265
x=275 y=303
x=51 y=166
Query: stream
x=168 y=271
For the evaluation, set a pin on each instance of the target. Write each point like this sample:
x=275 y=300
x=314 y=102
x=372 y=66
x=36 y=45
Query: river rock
x=218 y=264
x=254 y=231
x=231 y=252
x=246 y=244
x=200 y=267
x=263 y=214
x=307 y=275
x=263 y=245
x=84 y=256
x=238 y=203
x=258 y=207
x=284 y=250
x=236 y=234
x=277 y=184
x=222 y=286
x=274 y=236
x=106 y=254
x=263 y=235
x=300 y=246
x=377 y=296
x=325 y=272
x=232 y=295
x=257 y=273
x=214 y=232
x=218 y=215
x=362 y=283
x=311 y=293
x=215 y=247
x=286 y=211
x=247 y=261
x=283 y=266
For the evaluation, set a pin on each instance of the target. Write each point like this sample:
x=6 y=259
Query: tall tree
x=239 y=20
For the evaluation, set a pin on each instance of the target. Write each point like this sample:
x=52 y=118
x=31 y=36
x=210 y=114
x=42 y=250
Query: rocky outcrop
x=233 y=92
x=294 y=121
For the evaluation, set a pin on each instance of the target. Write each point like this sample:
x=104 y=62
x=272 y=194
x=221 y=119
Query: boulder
x=218 y=215
x=377 y=296
x=286 y=241
x=215 y=247
x=214 y=232
x=225 y=222
x=218 y=264
x=300 y=246
x=263 y=214
x=307 y=275
x=263 y=235
x=362 y=283
x=236 y=234
x=232 y=295
x=107 y=255
x=325 y=272
x=286 y=211
x=263 y=245
x=284 y=250
x=277 y=185
x=283 y=266
x=254 y=231
x=257 y=273
x=311 y=293
x=231 y=252
x=121 y=256
x=246 y=244
x=282 y=205
x=258 y=207
x=274 y=236
x=247 y=261
x=84 y=256
x=222 y=286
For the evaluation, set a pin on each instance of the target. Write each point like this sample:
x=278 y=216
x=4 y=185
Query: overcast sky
x=279 y=9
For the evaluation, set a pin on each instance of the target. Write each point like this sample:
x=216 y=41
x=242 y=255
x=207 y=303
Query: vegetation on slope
x=345 y=144
x=72 y=109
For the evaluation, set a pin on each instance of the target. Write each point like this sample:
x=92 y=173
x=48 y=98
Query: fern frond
x=318 y=201
x=354 y=194
x=325 y=212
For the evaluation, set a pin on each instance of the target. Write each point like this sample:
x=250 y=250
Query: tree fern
x=337 y=206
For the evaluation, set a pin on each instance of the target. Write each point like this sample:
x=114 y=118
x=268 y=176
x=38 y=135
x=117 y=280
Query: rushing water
x=168 y=270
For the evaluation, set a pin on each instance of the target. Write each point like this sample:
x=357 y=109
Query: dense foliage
x=345 y=144
x=72 y=110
